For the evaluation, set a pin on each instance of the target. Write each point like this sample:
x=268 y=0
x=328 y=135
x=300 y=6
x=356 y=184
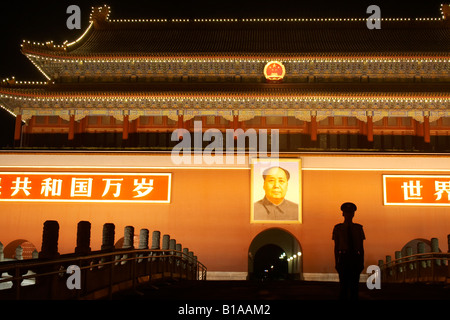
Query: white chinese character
x=147 y=186
x=21 y=185
x=440 y=188
x=115 y=184
x=51 y=185
x=81 y=187
x=411 y=191
x=0 y=186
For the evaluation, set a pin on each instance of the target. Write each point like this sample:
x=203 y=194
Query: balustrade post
x=156 y=238
x=143 y=242
x=186 y=261
x=398 y=266
x=165 y=242
x=128 y=238
x=49 y=249
x=191 y=262
x=448 y=243
x=435 y=262
x=128 y=243
x=380 y=265
x=19 y=253
x=109 y=232
x=434 y=245
x=2 y=255
x=409 y=252
x=195 y=267
x=83 y=238
x=143 y=239
x=165 y=246
x=389 y=267
x=108 y=237
x=108 y=246
x=172 y=247
x=179 y=248
x=435 y=249
x=421 y=250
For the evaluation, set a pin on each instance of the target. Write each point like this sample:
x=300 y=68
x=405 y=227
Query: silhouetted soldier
x=349 y=252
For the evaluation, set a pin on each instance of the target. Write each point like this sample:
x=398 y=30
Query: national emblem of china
x=274 y=71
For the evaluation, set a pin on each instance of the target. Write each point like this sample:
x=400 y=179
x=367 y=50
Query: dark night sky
x=45 y=20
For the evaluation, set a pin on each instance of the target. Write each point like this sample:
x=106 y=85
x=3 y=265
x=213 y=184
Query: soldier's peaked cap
x=348 y=206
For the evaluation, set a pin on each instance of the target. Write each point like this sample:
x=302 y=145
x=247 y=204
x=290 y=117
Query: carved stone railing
x=425 y=267
x=88 y=274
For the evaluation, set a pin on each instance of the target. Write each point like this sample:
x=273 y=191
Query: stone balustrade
x=417 y=264
x=112 y=268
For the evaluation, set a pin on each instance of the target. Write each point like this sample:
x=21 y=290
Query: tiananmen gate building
x=360 y=115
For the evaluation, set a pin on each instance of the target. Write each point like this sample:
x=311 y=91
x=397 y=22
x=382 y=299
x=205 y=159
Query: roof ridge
x=101 y=14
x=330 y=27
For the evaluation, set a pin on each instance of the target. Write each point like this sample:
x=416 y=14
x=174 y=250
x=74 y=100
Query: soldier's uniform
x=349 y=253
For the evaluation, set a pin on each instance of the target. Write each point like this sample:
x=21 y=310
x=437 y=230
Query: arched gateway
x=275 y=253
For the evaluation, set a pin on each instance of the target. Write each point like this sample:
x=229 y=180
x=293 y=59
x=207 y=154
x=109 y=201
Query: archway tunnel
x=275 y=254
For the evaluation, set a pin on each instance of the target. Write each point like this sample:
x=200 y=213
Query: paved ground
x=282 y=300
x=278 y=290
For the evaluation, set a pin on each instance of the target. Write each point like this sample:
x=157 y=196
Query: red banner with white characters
x=85 y=187
x=419 y=190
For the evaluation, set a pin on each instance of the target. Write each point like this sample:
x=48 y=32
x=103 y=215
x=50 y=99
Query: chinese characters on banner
x=419 y=190
x=85 y=187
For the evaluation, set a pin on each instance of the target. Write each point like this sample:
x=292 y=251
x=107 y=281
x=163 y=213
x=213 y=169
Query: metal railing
x=101 y=274
x=423 y=267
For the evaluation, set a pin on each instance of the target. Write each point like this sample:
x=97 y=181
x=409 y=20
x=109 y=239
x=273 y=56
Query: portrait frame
x=294 y=189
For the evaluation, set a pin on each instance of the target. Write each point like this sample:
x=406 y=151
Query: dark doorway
x=270 y=264
x=266 y=249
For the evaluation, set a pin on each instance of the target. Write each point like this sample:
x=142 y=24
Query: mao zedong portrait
x=274 y=206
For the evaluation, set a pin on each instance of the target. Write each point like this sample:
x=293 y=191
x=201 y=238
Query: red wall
x=210 y=214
